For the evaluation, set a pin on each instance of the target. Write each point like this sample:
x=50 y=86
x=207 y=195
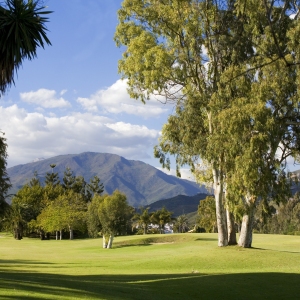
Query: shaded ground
x=30 y=285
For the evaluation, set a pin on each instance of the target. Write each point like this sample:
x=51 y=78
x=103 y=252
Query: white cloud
x=63 y=92
x=30 y=135
x=45 y=98
x=185 y=173
x=129 y=130
x=115 y=99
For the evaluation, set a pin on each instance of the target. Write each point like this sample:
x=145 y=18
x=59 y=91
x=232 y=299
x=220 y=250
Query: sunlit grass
x=179 y=266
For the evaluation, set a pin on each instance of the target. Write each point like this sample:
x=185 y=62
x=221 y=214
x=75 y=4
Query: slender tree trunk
x=18 y=233
x=71 y=233
x=245 y=239
x=145 y=229
x=218 y=191
x=104 y=241
x=56 y=234
x=220 y=209
x=231 y=228
x=60 y=234
x=110 y=241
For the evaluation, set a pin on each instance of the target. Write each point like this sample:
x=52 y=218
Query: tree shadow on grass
x=22 y=262
x=33 y=286
x=267 y=249
x=206 y=239
x=116 y=246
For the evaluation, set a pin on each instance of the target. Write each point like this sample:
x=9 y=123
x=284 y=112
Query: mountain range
x=142 y=183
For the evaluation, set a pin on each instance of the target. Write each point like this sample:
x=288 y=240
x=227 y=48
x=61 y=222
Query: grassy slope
x=181 y=266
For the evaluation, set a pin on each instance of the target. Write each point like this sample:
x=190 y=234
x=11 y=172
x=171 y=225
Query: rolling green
x=177 y=266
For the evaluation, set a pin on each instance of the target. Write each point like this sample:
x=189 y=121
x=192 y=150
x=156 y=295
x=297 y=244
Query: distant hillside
x=142 y=183
x=179 y=205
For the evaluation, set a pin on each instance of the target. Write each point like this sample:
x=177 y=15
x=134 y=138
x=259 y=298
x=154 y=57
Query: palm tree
x=182 y=223
x=161 y=217
x=142 y=219
x=22 y=30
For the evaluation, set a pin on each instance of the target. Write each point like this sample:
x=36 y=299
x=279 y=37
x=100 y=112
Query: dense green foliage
x=181 y=224
x=207 y=214
x=72 y=205
x=159 y=217
x=55 y=207
x=114 y=215
x=142 y=219
x=282 y=218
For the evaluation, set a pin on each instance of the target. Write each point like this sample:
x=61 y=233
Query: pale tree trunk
x=245 y=239
x=71 y=233
x=104 y=241
x=220 y=209
x=60 y=234
x=231 y=228
x=110 y=241
x=56 y=234
x=218 y=182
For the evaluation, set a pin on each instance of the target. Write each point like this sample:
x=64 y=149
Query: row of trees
x=57 y=206
x=159 y=217
x=282 y=218
x=73 y=204
x=231 y=69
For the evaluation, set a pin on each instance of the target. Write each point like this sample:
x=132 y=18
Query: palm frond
x=22 y=31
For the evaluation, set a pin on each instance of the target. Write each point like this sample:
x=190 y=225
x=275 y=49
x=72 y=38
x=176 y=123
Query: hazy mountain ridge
x=179 y=205
x=142 y=183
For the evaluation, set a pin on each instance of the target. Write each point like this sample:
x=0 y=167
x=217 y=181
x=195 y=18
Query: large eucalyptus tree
x=179 y=50
x=223 y=64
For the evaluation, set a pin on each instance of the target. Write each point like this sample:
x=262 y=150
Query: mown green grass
x=179 y=266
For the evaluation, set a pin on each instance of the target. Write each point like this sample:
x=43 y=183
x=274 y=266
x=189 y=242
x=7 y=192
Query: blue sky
x=70 y=99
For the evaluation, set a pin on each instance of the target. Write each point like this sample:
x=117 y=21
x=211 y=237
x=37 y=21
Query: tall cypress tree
x=4 y=179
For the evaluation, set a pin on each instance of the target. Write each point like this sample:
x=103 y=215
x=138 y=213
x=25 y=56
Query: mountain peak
x=143 y=184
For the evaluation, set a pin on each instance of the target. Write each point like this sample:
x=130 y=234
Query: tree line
x=71 y=204
x=53 y=207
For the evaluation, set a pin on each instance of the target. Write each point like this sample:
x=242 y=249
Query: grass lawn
x=177 y=266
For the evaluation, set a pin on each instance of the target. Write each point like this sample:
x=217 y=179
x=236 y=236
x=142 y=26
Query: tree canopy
x=114 y=214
